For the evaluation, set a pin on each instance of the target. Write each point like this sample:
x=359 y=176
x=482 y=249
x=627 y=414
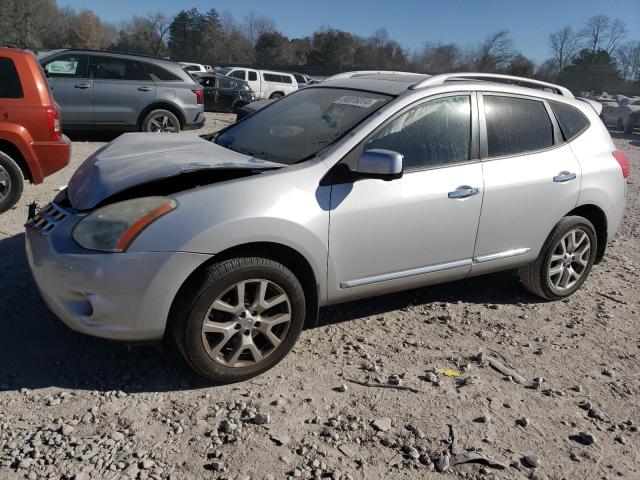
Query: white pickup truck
x=265 y=84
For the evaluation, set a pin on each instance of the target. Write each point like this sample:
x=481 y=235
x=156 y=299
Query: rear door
x=121 y=90
x=227 y=93
x=71 y=87
x=531 y=176
x=210 y=92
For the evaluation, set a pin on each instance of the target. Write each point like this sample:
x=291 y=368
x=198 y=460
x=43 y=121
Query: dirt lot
x=78 y=407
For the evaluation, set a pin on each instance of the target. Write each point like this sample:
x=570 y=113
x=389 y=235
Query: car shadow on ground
x=38 y=351
x=93 y=135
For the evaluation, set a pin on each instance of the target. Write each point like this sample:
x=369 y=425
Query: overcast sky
x=410 y=22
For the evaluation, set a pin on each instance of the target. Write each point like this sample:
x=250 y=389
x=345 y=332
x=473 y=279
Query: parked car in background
x=625 y=114
x=32 y=145
x=195 y=67
x=124 y=91
x=250 y=108
x=224 y=94
x=328 y=195
x=265 y=83
x=303 y=80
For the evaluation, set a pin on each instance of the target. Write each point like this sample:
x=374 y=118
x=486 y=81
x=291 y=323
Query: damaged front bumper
x=120 y=296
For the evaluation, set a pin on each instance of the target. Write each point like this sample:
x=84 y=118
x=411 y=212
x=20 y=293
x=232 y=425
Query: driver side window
x=433 y=133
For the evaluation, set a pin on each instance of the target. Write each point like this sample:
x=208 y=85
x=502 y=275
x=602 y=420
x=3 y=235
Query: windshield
x=300 y=125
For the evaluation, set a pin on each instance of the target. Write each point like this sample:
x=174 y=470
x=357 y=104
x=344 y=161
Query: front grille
x=46 y=219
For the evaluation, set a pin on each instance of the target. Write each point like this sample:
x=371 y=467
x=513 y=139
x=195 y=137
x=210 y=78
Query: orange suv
x=31 y=142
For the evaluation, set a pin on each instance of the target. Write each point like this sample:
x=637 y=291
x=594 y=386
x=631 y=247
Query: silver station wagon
x=364 y=184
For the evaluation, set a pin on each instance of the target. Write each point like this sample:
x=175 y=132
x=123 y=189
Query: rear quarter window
x=516 y=125
x=572 y=122
x=271 y=77
x=158 y=74
x=10 y=86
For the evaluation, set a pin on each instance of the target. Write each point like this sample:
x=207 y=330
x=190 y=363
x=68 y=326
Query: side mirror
x=378 y=163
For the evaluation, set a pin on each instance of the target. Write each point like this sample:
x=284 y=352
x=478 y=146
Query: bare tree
x=563 y=44
x=628 y=59
x=439 y=58
x=495 y=52
x=594 y=31
x=255 y=25
x=616 y=32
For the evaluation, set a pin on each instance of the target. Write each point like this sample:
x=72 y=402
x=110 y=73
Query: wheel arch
x=16 y=155
x=598 y=218
x=162 y=105
x=287 y=256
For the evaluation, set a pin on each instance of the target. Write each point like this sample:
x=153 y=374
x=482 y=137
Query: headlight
x=114 y=227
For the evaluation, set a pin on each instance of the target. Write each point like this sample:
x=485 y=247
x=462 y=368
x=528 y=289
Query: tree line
x=595 y=56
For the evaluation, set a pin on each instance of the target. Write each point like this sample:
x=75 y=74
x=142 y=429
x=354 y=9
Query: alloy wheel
x=5 y=183
x=162 y=123
x=246 y=323
x=570 y=259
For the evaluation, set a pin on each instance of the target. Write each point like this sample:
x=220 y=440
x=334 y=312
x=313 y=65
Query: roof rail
x=368 y=72
x=488 y=77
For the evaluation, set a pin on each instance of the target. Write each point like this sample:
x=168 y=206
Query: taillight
x=199 y=97
x=53 y=121
x=624 y=162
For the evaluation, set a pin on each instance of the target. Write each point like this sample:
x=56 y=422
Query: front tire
x=565 y=260
x=241 y=318
x=11 y=182
x=161 y=121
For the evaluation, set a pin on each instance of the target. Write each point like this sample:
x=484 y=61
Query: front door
x=532 y=179
x=72 y=87
x=420 y=228
x=120 y=90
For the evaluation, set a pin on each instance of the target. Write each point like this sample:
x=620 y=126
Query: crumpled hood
x=137 y=158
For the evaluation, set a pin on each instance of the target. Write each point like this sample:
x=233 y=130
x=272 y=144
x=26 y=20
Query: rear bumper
x=194 y=120
x=50 y=157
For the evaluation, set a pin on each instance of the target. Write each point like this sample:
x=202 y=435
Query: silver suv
x=123 y=91
x=358 y=186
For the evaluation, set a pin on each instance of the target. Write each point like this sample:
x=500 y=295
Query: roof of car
x=109 y=52
x=385 y=83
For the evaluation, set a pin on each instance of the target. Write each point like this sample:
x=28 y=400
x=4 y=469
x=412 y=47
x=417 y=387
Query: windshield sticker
x=364 y=102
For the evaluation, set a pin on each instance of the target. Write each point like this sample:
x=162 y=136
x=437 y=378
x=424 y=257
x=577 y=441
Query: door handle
x=464 y=192
x=82 y=85
x=144 y=89
x=564 y=177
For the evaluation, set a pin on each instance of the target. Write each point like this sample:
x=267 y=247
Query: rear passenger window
x=226 y=83
x=571 y=121
x=111 y=68
x=271 y=77
x=286 y=79
x=238 y=74
x=434 y=133
x=69 y=66
x=516 y=125
x=9 y=81
x=253 y=76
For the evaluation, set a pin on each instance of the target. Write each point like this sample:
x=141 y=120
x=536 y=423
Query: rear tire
x=276 y=95
x=227 y=338
x=11 y=182
x=564 y=262
x=628 y=124
x=161 y=121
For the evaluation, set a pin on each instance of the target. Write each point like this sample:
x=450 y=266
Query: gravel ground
x=77 y=407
